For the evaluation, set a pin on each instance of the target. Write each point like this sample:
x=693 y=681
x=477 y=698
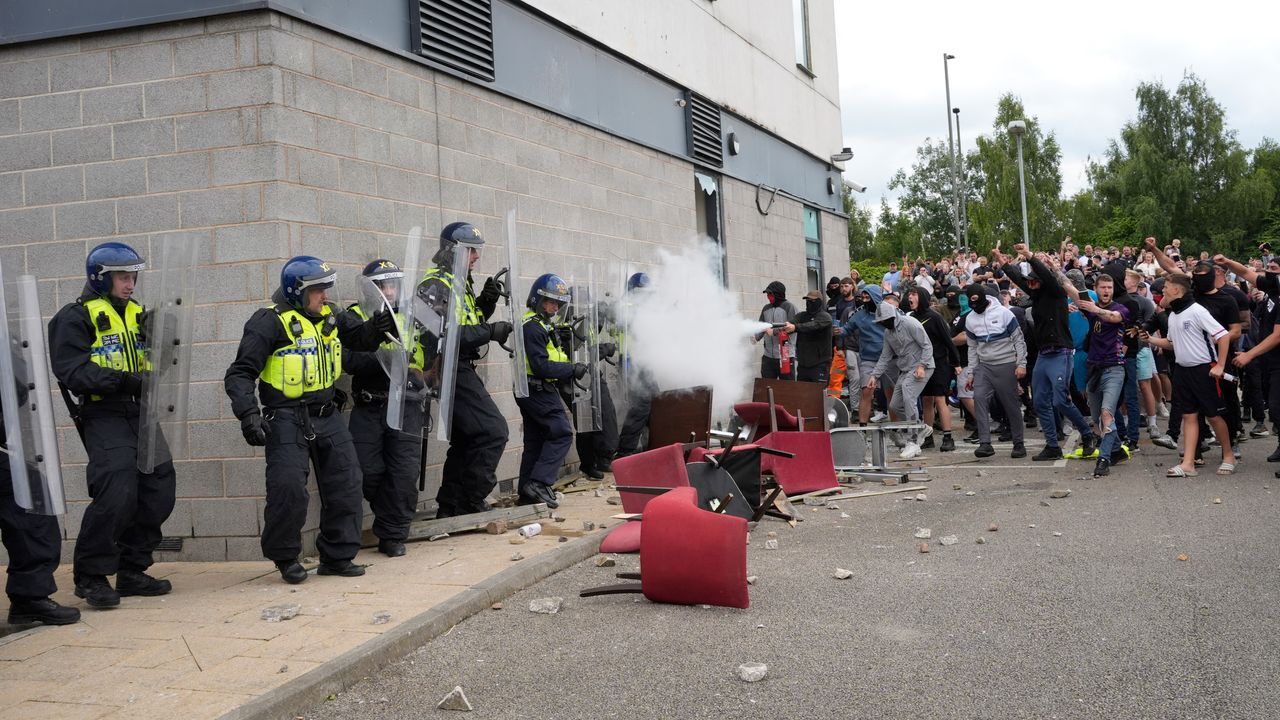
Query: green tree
x=928 y=198
x=862 y=235
x=896 y=234
x=997 y=217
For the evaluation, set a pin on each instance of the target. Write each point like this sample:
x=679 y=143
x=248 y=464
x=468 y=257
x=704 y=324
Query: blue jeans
x=1106 y=386
x=1130 y=426
x=1049 y=387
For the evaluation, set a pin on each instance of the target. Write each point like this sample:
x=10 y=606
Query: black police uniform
x=547 y=432
x=390 y=459
x=304 y=430
x=479 y=432
x=121 y=526
x=596 y=448
x=33 y=541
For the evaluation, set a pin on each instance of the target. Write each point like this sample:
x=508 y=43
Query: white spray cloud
x=687 y=329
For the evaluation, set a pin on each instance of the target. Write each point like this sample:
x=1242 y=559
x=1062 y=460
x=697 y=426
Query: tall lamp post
x=964 y=187
x=1018 y=128
x=955 y=218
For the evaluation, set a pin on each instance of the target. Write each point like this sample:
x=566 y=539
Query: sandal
x=1177 y=472
x=1226 y=468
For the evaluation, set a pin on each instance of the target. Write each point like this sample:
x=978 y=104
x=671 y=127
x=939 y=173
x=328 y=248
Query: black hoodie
x=938 y=330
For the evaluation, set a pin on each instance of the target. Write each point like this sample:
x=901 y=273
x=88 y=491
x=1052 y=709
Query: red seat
x=690 y=556
x=659 y=468
x=623 y=539
x=811 y=469
x=756 y=415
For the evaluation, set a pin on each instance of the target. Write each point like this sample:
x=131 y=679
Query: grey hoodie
x=783 y=312
x=906 y=345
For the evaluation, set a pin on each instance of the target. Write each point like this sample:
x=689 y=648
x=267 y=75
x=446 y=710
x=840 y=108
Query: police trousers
x=289 y=458
x=121 y=526
x=547 y=436
x=34 y=544
x=597 y=448
x=389 y=461
x=476 y=441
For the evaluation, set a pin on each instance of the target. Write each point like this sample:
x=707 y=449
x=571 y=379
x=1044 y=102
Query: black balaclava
x=1268 y=282
x=889 y=322
x=953 y=297
x=814 y=305
x=1202 y=283
x=978 y=298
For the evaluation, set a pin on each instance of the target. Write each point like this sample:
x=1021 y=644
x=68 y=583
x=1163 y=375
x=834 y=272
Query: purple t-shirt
x=1106 y=339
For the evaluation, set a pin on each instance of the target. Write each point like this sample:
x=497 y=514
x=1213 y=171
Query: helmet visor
x=134 y=266
x=323 y=281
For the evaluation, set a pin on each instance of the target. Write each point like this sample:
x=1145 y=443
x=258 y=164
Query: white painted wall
x=740 y=53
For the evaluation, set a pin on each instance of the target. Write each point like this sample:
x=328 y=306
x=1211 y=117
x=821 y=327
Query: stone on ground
x=455 y=700
x=753 y=671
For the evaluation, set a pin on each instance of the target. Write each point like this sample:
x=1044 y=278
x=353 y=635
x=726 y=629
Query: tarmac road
x=1103 y=621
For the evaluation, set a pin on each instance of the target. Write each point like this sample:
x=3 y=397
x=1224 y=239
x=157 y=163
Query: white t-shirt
x=1194 y=334
x=1149 y=269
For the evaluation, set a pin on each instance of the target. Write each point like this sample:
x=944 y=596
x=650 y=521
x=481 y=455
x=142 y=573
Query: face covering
x=1269 y=283
x=953 y=300
x=1180 y=304
x=773 y=299
x=868 y=303
x=1202 y=283
x=813 y=306
x=978 y=302
x=888 y=323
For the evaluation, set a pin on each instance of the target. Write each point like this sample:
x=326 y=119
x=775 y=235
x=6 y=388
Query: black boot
x=928 y=443
x=1048 y=453
x=136 y=582
x=1006 y=434
x=40 y=610
x=1275 y=456
x=1019 y=451
x=391 y=548
x=291 y=571
x=535 y=492
x=344 y=568
x=1103 y=468
x=1089 y=444
x=947 y=443
x=592 y=473
x=984 y=450
x=605 y=465
x=97 y=591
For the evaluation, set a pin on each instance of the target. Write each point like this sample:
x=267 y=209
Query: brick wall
x=264 y=137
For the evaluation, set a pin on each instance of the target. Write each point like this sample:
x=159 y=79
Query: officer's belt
x=540 y=384
x=364 y=397
x=118 y=398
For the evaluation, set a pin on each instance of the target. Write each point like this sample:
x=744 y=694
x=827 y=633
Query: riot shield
x=583 y=318
x=616 y=314
x=515 y=309
x=30 y=440
x=167 y=331
x=406 y=394
x=440 y=307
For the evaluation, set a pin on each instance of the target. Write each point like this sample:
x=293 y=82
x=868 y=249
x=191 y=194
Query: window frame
x=815 y=242
x=800 y=33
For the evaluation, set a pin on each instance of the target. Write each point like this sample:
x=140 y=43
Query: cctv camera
x=856 y=187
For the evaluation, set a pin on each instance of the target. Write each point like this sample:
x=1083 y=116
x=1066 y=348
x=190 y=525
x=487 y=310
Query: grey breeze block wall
x=265 y=137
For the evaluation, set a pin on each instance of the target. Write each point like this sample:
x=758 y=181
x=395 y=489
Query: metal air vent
x=705 y=143
x=457 y=34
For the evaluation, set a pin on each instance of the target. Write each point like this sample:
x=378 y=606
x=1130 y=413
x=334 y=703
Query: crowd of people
x=1102 y=342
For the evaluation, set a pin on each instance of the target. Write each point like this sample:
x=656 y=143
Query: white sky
x=1075 y=66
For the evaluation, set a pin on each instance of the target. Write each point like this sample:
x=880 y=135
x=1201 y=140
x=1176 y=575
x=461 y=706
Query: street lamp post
x=955 y=218
x=1018 y=128
x=964 y=186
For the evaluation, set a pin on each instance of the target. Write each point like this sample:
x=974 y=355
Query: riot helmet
x=638 y=281
x=550 y=286
x=301 y=273
x=387 y=276
x=107 y=258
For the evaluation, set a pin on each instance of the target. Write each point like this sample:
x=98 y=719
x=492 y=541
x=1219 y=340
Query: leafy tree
x=861 y=233
x=928 y=198
x=997 y=217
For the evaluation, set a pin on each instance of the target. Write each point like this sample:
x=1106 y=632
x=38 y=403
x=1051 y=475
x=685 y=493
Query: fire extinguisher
x=784 y=354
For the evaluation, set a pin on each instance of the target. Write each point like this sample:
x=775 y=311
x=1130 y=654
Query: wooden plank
x=558 y=530
x=873 y=493
x=422 y=529
x=817 y=493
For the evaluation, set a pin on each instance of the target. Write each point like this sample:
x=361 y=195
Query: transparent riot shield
x=406 y=391
x=583 y=318
x=515 y=311
x=30 y=440
x=167 y=331
x=616 y=310
x=440 y=308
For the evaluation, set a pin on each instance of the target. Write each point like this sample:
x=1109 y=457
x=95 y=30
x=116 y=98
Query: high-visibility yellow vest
x=554 y=352
x=416 y=359
x=467 y=314
x=312 y=361
x=118 y=345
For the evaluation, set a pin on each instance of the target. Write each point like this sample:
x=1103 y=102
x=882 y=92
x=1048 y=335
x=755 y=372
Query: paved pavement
x=1075 y=608
x=204 y=650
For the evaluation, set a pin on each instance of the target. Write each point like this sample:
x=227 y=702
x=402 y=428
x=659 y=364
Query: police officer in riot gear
x=98 y=350
x=641 y=391
x=292 y=352
x=596 y=447
x=547 y=432
x=479 y=431
x=389 y=458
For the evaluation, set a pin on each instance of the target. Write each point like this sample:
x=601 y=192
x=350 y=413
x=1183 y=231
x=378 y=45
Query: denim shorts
x=1146 y=364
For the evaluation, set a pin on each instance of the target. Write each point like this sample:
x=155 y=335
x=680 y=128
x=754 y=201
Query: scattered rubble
x=970 y=493
x=957 y=487
x=1217 y=501
x=921 y=497
x=833 y=506
x=496 y=606
x=438 y=536
x=283 y=669
x=588 y=525
x=381 y=618
x=751 y=579
x=1059 y=494
x=546 y=605
x=605 y=561
x=993 y=528
x=1183 y=557
x=770 y=544
x=949 y=540
x=455 y=700
x=516 y=540
x=842 y=574
x=753 y=671
x=924 y=547
x=276 y=613
x=517 y=556
x=613 y=500
x=496 y=527
x=981 y=540
x=845 y=516
x=982 y=473
x=923 y=534
x=815 y=501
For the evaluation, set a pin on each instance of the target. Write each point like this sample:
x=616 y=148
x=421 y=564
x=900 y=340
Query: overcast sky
x=1075 y=66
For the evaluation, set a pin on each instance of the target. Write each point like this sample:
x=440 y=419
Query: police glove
x=500 y=331
x=416 y=380
x=579 y=371
x=145 y=319
x=385 y=322
x=564 y=334
x=490 y=294
x=255 y=429
x=607 y=350
x=132 y=384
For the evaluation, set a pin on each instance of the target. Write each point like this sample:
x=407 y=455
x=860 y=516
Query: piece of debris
x=1057 y=534
x=949 y=540
x=613 y=500
x=530 y=530
x=981 y=540
x=772 y=534
x=924 y=547
x=751 y=579
x=557 y=518
x=564 y=539
x=588 y=525
x=753 y=671
x=845 y=516
x=1044 y=504
x=438 y=536
x=283 y=669
x=1032 y=525
x=842 y=574
x=605 y=561
x=970 y=493
x=496 y=606
x=496 y=527
x=560 y=496
x=815 y=501
x=833 y=506
x=546 y=605
x=1217 y=501
x=921 y=497
x=381 y=618
x=599 y=492
x=455 y=700
x=957 y=487
x=515 y=540
x=981 y=473
x=517 y=556
x=1059 y=494
x=276 y=613
x=923 y=534
x=770 y=544
x=1183 y=557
